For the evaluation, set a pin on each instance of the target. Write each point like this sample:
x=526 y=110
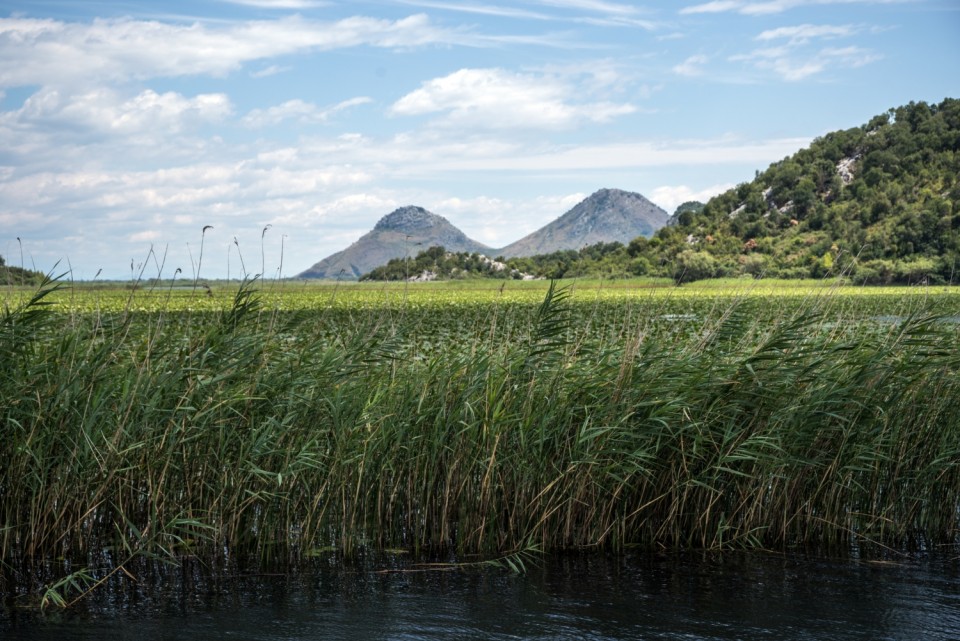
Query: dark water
x=591 y=597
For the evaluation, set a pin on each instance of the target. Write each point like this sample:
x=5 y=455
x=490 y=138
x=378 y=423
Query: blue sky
x=126 y=126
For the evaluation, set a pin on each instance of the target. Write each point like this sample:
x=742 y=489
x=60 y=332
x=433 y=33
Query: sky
x=260 y=136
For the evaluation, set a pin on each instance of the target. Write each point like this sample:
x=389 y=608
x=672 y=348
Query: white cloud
x=801 y=34
x=626 y=155
x=170 y=190
x=773 y=6
x=279 y=4
x=620 y=21
x=769 y=6
x=499 y=99
x=852 y=57
x=480 y=9
x=792 y=66
x=593 y=75
x=669 y=197
x=599 y=6
x=692 y=66
x=23 y=220
x=106 y=110
x=717 y=6
x=298 y=110
x=147 y=235
x=428 y=153
x=272 y=70
x=792 y=57
x=613 y=15
x=279 y=182
x=124 y=49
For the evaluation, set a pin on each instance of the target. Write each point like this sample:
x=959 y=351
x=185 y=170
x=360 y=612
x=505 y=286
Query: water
x=749 y=596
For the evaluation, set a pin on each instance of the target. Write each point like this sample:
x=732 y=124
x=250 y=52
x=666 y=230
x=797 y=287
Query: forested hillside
x=10 y=275
x=436 y=263
x=879 y=203
x=608 y=260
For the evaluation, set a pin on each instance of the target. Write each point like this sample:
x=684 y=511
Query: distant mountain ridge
x=609 y=215
x=606 y=216
x=403 y=232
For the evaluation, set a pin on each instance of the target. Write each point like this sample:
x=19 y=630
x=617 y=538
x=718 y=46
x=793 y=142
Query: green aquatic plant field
x=284 y=420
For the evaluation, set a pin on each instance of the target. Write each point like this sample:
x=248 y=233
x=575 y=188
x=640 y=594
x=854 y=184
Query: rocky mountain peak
x=606 y=215
x=403 y=232
x=610 y=198
x=409 y=218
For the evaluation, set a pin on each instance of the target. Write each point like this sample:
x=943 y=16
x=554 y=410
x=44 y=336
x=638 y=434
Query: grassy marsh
x=169 y=423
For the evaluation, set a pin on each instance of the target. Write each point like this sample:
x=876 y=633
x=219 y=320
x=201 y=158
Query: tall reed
x=249 y=431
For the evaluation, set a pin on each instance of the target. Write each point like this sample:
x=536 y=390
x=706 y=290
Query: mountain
x=609 y=215
x=879 y=203
x=403 y=232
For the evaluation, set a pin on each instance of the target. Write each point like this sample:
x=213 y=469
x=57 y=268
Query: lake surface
x=642 y=596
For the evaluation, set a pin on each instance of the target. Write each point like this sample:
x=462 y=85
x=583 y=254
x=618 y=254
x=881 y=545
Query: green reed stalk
x=255 y=432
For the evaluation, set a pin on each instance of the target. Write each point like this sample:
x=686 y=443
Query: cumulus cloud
x=499 y=99
x=669 y=197
x=106 y=110
x=692 y=66
x=172 y=189
x=34 y=50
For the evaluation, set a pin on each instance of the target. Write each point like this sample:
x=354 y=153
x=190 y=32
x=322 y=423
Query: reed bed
x=248 y=431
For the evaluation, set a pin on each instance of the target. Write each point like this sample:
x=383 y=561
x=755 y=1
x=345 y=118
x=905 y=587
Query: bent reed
x=250 y=431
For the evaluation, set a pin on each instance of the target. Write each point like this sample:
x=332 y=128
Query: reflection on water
x=585 y=597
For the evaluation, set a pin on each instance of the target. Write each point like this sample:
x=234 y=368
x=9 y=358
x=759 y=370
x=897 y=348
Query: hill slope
x=609 y=215
x=403 y=232
x=879 y=203
x=11 y=275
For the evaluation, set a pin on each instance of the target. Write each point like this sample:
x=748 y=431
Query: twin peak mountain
x=609 y=215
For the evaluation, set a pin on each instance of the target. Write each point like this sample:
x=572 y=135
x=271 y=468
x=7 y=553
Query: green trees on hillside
x=608 y=260
x=878 y=203
x=437 y=262
x=11 y=275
